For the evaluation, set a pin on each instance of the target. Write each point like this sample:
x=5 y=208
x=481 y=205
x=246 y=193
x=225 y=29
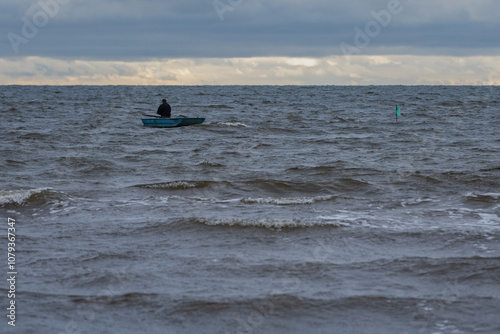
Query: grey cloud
x=133 y=29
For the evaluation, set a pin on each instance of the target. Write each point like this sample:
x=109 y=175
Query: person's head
x=164 y=101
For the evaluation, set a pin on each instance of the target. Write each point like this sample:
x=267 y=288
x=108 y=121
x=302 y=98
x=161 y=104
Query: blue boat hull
x=171 y=122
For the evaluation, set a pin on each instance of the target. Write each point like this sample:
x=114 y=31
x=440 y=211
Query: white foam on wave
x=495 y=196
x=287 y=200
x=210 y=164
x=235 y=124
x=488 y=218
x=171 y=185
x=418 y=201
x=268 y=223
x=344 y=218
x=19 y=197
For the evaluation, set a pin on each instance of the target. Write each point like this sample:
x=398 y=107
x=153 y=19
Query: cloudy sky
x=178 y=42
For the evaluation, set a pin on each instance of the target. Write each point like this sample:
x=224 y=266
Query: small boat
x=171 y=122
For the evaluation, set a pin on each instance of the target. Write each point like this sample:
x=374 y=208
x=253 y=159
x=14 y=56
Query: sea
x=291 y=209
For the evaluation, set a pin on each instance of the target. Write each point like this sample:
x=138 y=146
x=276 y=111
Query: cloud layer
x=290 y=39
x=332 y=70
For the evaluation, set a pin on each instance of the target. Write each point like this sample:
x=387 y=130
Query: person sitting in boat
x=164 y=109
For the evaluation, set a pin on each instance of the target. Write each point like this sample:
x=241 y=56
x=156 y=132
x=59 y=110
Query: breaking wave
x=288 y=200
x=26 y=197
x=268 y=223
x=233 y=124
x=486 y=197
x=176 y=185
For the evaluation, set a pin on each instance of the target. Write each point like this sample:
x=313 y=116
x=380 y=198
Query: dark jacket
x=164 y=110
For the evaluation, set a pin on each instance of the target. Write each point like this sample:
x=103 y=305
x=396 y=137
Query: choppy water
x=290 y=210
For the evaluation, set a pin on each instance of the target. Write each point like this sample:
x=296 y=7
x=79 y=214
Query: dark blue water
x=290 y=210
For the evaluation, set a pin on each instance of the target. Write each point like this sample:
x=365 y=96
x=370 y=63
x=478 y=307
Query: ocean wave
x=457 y=269
x=34 y=136
x=455 y=178
x=419 y=201
x=25 y=197
x=285 y=186
x=323 y=168
x=108 y=297
x=15 y=162
x=233 y=124
x=268 y=223
x=492 y=169
x=489 y=219
x=207 y=163
x=220 y=106
x=288 y=200
x=486 y=197
x=87 y=164
x=345 y=218
x=280 y=192
x=280 y=302
x=176 y=185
